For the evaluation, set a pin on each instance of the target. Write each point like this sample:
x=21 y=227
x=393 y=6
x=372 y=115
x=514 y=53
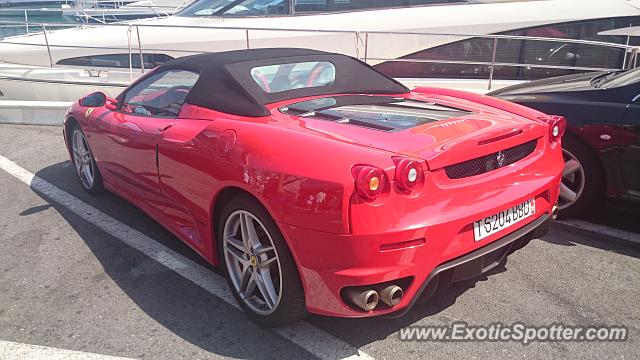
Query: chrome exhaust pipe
x=390 y=294
x=554 y=212
x=365 y=299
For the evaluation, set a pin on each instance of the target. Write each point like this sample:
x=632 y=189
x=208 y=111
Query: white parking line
x=16 y=351
x=314 y=340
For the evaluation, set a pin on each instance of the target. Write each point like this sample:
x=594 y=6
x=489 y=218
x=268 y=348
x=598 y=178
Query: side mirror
x=96 y=99
x=112 y=104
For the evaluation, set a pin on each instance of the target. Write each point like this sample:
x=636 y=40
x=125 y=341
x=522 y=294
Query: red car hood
x=483 y=131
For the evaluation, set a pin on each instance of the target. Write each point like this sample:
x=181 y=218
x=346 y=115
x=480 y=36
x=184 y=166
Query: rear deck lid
x=442 y=132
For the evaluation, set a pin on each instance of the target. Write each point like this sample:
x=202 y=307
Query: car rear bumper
x=420 y=273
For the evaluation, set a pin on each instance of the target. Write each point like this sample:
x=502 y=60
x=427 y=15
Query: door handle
x=165 y=127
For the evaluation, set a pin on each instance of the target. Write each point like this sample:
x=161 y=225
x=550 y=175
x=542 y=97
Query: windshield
x=619 y=78
x=235 y=8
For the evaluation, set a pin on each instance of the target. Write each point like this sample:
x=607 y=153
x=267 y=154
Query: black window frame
x=135 y=60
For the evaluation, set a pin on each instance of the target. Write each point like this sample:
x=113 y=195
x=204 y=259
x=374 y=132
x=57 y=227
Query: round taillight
x=374 y=183
x=409 y=174
x=557 y=126
x=369 y=181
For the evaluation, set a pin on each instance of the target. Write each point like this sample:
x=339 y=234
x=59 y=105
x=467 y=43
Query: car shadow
x=175 y=303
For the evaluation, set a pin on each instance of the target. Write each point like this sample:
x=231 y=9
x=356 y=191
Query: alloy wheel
x=573 y=181
x=252 y=262
x=82 y=159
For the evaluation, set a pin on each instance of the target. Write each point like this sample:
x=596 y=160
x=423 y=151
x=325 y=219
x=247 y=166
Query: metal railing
x=105 y=11
x=362 y=44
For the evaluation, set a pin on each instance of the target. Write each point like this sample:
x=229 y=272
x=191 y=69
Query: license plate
x=502 y=220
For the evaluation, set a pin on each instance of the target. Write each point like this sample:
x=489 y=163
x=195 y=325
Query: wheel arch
x=68 y=124
x=222 y=197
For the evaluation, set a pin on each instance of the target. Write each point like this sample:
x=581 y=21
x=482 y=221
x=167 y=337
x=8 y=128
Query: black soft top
x=225 y=83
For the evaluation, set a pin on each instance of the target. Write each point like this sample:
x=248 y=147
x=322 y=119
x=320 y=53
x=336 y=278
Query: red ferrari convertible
x=319 y=184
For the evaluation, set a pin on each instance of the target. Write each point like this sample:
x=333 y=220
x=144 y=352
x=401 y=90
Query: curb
x=33 y=112
x=604 y=232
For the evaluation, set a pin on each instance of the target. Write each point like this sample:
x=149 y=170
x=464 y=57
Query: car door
x=187 y=163
x=130 y=136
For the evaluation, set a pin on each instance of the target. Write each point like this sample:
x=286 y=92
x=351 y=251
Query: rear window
x=283 y=77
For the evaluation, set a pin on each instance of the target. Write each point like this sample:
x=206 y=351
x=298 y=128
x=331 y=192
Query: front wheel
x=85 y=164
x=258 y=264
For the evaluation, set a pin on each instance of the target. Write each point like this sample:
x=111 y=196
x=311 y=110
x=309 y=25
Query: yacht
x=469 y=44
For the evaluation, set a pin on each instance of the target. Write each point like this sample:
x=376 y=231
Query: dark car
x=602 y=144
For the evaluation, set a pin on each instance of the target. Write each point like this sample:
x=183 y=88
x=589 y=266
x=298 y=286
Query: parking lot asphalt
x=66 y=282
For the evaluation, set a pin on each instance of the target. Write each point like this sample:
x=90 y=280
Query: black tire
x=593 y=189
x=96 y=187
x=291 y=307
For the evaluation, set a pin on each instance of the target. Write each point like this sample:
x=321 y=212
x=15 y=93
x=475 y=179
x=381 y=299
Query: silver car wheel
x=573 y=180
x=252 y=262
x=82 y=159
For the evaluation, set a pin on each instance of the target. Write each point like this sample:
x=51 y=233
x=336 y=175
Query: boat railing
x=103 y=11
x=368 y=46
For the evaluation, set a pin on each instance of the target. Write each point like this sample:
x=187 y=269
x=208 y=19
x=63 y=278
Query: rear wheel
x=85 y=164
x=258 y=264
x=582 y=178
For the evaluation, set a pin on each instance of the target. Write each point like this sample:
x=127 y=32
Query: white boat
x=420 y=42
